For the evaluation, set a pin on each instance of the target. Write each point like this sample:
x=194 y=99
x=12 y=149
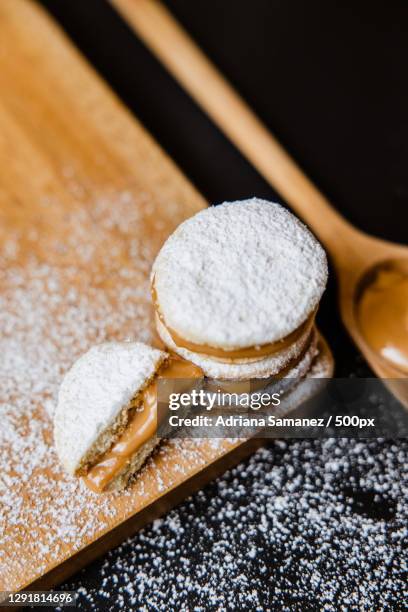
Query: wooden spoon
x=358 y=258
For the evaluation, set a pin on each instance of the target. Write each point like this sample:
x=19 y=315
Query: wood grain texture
x=86 y=200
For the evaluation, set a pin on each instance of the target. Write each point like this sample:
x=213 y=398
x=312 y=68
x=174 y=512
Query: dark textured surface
x=303 y=525
x=329 y=79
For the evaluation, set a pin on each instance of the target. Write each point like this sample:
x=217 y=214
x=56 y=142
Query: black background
x=328 y=78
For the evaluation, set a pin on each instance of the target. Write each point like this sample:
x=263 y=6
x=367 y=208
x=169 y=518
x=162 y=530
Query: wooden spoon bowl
x=358 y=259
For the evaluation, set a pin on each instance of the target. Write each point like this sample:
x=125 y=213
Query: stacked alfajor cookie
x=236 y=289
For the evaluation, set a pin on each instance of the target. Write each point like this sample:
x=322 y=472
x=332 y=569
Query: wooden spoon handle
x=188 y=64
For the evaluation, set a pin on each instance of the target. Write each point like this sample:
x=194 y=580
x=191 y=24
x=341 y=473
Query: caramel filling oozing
x=263 y=350
x=142 y=426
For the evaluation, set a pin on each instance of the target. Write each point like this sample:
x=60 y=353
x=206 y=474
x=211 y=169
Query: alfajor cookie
x=236 y=289
x=106 y=419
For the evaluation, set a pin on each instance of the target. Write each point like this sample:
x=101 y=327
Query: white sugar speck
x=280 y=532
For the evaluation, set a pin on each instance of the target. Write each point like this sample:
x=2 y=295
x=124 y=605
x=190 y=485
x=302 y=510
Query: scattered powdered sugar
x=240 y=274
x=302 y=525
x=71 y=276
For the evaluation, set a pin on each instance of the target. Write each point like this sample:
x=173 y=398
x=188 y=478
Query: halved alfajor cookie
x=106 y=420
x=239 y=284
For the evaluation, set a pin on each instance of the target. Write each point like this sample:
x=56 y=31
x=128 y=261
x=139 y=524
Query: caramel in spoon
x=382 y=312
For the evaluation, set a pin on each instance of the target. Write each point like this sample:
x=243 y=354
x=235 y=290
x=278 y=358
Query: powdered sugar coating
x=94 y=392
x=239 y=274
x=264 y=368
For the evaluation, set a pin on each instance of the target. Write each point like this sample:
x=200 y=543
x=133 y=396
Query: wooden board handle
x=188 y=64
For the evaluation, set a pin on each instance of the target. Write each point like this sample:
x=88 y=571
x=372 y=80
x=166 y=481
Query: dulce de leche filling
x=382 y=313
x=263 y=350
x=141 y=427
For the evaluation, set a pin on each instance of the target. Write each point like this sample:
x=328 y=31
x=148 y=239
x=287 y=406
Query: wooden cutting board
x=86 y=200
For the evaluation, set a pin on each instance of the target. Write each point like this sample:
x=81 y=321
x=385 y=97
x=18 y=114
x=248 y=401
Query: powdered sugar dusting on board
x=70 y=276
